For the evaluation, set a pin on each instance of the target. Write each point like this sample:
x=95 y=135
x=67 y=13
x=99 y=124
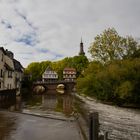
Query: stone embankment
x=120 y=123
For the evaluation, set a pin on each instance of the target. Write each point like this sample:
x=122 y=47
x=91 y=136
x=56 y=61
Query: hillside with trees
x=36 y=69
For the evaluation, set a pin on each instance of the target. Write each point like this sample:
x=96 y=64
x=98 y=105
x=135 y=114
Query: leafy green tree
x=36 y=69
x=58 y=66
x=110 y=46
x=116 y=82
x=86 y=83
x=79 y=63
x=33 y=69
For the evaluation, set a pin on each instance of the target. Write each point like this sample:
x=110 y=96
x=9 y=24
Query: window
x=2 y=58
x=9 y=74
x=1 y=73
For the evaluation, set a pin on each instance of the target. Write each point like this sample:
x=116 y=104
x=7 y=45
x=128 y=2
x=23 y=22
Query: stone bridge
x=69 y=85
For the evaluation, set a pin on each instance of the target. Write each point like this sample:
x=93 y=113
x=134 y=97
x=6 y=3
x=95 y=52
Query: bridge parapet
x=53 y=84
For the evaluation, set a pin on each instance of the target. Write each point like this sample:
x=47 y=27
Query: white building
x=10 y=70
x=69 y=74
x=8 y=73
x=49 y=75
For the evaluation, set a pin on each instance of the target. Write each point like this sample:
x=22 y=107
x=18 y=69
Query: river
x=120 y=123
x=39 y=117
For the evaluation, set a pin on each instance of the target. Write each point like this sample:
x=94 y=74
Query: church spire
x=81 y=40
x=81 y=48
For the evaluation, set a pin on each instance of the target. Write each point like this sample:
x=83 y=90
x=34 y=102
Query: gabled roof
x=2 y=49
x=48 y=69
x=18 y=67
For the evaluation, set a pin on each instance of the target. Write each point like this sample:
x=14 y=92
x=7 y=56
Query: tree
x=110 y=46
x=79 y=63
x=116 y=82
x=36 y=69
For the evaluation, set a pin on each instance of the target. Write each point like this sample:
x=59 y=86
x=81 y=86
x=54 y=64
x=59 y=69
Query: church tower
x=81 y=48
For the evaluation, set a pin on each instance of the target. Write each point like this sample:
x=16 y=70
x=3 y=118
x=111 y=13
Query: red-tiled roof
x=69 y=69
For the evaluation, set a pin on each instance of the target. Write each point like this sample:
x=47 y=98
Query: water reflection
x=60 y=91
x=17 y=105
x=7 y=126
x=52 y=101
x=5 y=102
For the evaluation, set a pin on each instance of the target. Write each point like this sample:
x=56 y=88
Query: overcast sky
x=39 y=30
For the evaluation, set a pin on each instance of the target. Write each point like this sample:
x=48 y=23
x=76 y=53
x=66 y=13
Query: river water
x=121 y=123
x=50 y=101
x=15 y=124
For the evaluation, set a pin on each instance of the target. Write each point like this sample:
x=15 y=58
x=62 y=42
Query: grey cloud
x=6 y=24
x=23 y=16
x=59 y=24
x=28 y=39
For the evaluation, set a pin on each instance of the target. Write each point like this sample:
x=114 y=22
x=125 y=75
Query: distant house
x=18 y=73
x=9 y=71
x=49 y=75
x=69 y=74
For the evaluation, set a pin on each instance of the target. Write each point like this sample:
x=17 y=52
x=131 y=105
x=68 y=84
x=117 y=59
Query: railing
x=94 y=132
x=53 y=82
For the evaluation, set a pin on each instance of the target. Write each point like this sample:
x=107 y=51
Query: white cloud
x=56 y=27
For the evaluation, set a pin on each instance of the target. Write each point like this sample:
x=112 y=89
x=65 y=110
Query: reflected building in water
x=49 y=102
x=57 y=102
x=67 y=104
x=7 y=126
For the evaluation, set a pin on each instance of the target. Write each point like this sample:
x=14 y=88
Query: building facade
x=49 y=75
x=69 y=74
x=2 y=68
x=8 y=70
x=18 y=70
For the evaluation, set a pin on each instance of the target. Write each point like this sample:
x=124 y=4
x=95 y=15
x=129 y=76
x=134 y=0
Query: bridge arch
x=69 y=85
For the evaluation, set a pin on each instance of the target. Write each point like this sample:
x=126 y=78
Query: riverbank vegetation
x=114 y=73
